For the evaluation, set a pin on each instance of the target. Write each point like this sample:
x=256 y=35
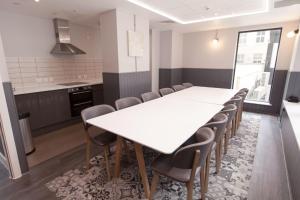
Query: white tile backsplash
x=33 y=72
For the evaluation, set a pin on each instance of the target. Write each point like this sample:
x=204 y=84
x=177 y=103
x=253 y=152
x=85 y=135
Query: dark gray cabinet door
x=54 y=107
x=30 y=103
x=46 y=108
x=98 y=97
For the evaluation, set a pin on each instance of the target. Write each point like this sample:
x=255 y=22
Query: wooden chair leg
x=154 y=182
x=233 y=132
x=218 y=157
x=106 y=153
x=202 y=183
x=189 y=186
x=88 y=153
x=207 y=165
x=127 y=151
x=227 y=135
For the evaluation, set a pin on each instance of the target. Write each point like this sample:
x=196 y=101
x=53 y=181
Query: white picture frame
x=135 y=44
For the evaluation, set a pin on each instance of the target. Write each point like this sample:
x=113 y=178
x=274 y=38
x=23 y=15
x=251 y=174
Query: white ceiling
x=191 y=11
x=87 y=12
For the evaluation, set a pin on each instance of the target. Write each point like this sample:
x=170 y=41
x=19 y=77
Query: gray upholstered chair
x=165 y=91
x=187 y=85
x=95 y=135
x=185 y=163
x=230 y=111
x=218 y=125
x=240 y=113
x=178 y=87
x=244 y=90
x=148 y=96
x=236 y=100
x=127 y=102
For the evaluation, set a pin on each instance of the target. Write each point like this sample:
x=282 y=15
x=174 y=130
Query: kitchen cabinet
x=292 y=153
x=46 y=108
x=51 y=107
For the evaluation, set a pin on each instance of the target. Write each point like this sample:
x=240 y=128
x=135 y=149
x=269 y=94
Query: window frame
x=275 y=66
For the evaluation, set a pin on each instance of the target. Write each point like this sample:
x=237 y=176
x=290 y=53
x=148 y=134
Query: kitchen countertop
x=52 y=87
x=293 y=111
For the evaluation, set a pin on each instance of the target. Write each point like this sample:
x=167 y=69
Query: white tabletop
x=204 y=94
x=162 y=124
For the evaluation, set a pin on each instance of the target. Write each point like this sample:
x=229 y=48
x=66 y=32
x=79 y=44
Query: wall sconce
x=292 y=33
x=216 y=40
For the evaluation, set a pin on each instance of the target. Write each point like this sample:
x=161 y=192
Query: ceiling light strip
x=157 y=11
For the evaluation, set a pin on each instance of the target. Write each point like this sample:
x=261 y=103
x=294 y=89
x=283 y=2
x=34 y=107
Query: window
x=240 y=58
x=255 y=63
x=257 y=58
x=243 y=38
x=260 y=37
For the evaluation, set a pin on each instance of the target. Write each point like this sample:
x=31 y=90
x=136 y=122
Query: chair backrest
x=203 y=139
x=178 y=87
x=148 y=96
x=218 y=125
x=229 y=110
x=127 y=102
x=241 y=94
x=187 y=85
x=244 y=90
x=94 y=111
x=236 y=100
x=165 y=91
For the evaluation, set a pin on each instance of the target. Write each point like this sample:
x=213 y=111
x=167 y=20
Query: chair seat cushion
x=104 y=138
x=163 y=165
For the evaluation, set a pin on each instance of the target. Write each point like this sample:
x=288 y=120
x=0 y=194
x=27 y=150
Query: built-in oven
x=80 y=98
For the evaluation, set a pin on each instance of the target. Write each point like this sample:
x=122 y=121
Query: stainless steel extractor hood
x=63 y=44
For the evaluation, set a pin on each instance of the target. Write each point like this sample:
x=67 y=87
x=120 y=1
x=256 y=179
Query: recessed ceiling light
x=178 y=20
x=37 y=0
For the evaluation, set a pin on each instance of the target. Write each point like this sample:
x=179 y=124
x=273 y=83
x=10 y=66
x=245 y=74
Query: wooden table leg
x=118 y=156
x=142 y=168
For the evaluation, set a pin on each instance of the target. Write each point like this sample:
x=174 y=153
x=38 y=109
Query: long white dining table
x=163 y=124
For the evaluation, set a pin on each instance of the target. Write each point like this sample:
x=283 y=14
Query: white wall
x=295 y=63
x=198 y=51
x=26 y=36
x=155 y=58
x=12 y=155
x=115 y=25
x=171 y=48
x=109 y=40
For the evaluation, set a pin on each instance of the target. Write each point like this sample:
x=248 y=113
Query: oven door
x=80 y=100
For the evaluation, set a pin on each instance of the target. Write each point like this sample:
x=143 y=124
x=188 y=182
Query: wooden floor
x=268 y=182
x=63 y=140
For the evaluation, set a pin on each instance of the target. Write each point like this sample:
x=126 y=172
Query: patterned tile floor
x=232 y=183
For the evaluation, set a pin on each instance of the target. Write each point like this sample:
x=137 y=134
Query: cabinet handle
x=75 y=93
x=83 y=103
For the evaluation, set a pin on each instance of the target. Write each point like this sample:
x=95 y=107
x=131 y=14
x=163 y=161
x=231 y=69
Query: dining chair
x=185 y=163
x=148 y=96
x=243 y=95
x=218 y=124
x=244 y=90
x=96 y=135
x=127 y=102
x=165 y=91
x=178 y=87
x=229 y=110
x=236 y=100
x=187 y=85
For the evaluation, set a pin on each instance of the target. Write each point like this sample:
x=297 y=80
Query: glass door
x=255 y=63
